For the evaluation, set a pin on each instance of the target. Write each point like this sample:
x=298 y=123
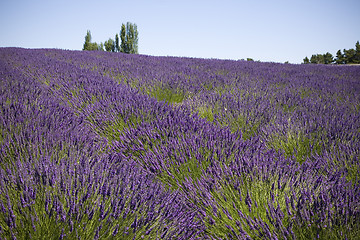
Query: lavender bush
x=99 y=145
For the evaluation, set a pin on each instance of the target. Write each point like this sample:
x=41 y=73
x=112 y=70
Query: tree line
x=129 y=38
x=350 y=56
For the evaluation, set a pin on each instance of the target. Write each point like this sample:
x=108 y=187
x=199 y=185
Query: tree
x=339 y=58
x=87 y=41
x=313 y=59
x=129 y=41
x=317 y=59
x=328 y=58
x=136 y=40
x=129 y=38
x=110 y=45
x=132 y=37
x=349 y=55
x=123 y=47
x=93 y=46
x=89 y=46
x=357 y=53
x=117 y=43
x=100 y=47
x=306 y=60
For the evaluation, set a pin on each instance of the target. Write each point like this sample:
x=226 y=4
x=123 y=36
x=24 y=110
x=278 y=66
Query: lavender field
x=98 y=145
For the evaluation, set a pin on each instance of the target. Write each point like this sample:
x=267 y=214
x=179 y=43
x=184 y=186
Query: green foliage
x=167 y=94
x=192 y=169
x=117 y=43
x=89 y=46
x=357 y=53
x=129 y=38
x=231 y=196
x=113 y=129
x=311 y=230
x=206 y=112
x=350 y=56
x=317 y=59
x=328 y=58
x=123 y=46
x=247 y=127
x=110 y=45
x=100 y=47
x=87 y=40
x=296 y=145
x=340 y=59
x=350 y=163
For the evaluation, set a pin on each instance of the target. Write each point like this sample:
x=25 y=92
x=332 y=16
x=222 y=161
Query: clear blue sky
x=266 y=30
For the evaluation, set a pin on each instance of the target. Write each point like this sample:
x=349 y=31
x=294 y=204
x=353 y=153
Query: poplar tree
x=117 y=43
x=129 y=38
x=87 y=44
x=133 y=35
x=123 y=47
x=110 y=45
x=100 y=46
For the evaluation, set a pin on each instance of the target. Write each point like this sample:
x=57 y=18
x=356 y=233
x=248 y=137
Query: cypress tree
x=110 y=45
x=129 y=38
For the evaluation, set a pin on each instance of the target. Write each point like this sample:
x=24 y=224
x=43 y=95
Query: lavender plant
x=99 y=145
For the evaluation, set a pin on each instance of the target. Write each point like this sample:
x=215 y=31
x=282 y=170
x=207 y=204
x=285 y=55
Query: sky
x=265 y=30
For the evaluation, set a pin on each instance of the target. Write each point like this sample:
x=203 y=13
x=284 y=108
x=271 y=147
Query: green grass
x=113 y=129
x=296 y=144
x=247 y=127
x=314 y=231
x=167 y=95
x=231 y=196
x=17 y=147
x=176 y=173
x=206 y=112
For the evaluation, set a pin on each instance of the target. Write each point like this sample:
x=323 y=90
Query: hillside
x=98 y=145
